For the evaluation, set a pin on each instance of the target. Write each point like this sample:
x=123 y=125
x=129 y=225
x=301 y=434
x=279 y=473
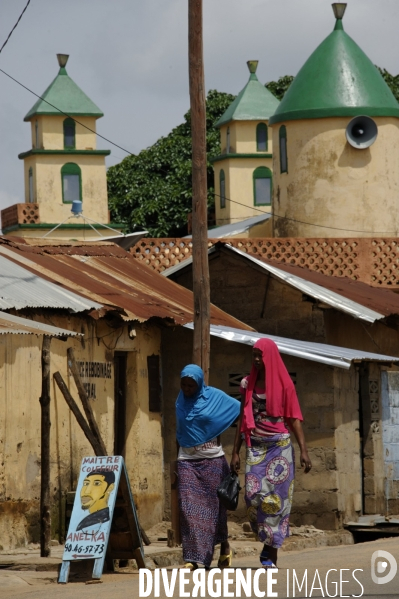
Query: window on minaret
x=262 y=177
x=71 y=177
x=222 y=189
x=228 y=141
x=69 y=133
x=261 y=137
x=36 y=134
x=31 y=185
x=283 y=149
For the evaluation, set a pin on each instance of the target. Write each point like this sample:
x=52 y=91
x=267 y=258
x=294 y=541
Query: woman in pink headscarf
x=270 y=408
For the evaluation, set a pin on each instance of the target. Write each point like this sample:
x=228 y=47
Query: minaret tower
x=243 y=171
x=62 y=166
x=336 y=142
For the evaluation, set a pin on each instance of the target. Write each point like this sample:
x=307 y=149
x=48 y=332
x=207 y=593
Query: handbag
x=228 y=491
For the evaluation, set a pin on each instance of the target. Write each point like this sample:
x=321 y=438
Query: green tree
x=279 y=87
x=392 y=81
x=153 y=190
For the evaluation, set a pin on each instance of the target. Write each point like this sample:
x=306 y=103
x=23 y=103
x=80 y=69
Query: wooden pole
x=45 y=513
x=201 y=342
x=84 y=399
x=98 y=449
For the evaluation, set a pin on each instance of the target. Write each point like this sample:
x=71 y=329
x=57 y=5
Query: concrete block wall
x=390 y=439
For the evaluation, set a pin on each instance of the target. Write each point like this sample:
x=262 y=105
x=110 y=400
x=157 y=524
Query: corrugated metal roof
x=115 y=280
x=23 y=326
x=235 y=228
x=302 y=279
x=333 y=355
x=20 y=288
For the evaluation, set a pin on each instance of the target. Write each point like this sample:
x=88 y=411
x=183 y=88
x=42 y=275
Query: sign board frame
x=104 y=524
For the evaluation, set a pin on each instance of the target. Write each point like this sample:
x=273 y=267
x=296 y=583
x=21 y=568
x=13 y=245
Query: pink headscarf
x=281 y=397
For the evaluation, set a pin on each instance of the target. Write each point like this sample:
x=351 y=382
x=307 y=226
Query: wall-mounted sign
x=96 y=370
x=102 y=484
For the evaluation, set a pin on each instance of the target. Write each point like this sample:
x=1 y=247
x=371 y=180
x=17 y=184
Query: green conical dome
x=337 y=80
x=253 y=103
x=64 y=94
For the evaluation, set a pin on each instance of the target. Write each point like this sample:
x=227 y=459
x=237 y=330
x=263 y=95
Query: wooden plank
x=85 y=400
x=78 y=415
x=64 y=572
x=45 y=509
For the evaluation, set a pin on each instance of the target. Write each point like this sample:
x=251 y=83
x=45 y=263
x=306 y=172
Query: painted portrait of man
x=94 y=495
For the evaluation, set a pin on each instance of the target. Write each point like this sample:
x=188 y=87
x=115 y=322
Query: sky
x=130 y=58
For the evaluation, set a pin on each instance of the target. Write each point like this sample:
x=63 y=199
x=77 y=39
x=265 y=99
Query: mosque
x=324 y=161
x=64 y=172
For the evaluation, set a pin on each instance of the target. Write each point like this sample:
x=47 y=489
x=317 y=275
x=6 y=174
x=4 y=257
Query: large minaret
x=333 y=177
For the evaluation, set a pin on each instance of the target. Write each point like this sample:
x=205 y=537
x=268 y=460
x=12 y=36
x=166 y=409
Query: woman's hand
x=305 y=461
x=235 y=463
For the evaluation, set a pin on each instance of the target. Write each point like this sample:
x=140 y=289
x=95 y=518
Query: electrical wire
x=66 y=114
x=15 y=26
x=295 y=220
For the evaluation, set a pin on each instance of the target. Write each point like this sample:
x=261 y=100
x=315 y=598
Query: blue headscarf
x=204 y=415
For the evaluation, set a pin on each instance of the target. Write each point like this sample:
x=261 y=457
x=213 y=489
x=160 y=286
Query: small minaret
x=63 y=164
x=243 y=171
x=335 y=176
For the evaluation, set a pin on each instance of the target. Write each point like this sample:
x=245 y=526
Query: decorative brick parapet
x=161 y=253
x=20 y=214
x=374 y=261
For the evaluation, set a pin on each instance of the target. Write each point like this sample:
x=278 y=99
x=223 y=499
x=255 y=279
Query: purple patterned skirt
x=203 y=520
x=269 y=486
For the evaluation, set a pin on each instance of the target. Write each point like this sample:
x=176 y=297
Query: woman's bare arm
x=235 y=457
x=296 y=427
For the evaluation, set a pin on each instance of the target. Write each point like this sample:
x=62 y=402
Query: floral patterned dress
x=269 y=474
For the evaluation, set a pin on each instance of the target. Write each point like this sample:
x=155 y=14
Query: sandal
x=190 y=566
x=225 y=560
x=267 y=563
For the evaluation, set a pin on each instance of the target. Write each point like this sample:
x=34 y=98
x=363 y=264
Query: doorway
x=120 y=366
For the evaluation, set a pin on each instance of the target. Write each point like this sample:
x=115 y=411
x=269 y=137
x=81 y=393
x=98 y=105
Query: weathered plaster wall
x=47 y=184
x=51 y=132
x=331 y=184
x=243 y=137
x=239 y=172
x=20 y=388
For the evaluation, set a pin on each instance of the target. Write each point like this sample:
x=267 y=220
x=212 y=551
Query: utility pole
x=201 y=342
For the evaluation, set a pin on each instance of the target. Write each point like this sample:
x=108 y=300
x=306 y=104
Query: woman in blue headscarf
x=202 y=414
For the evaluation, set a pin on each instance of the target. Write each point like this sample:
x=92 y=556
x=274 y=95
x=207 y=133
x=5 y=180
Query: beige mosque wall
x=344 y=191
x=243 y=137
x=51 y=132
x=20 y=385
x=47 y=184
x=239 y=188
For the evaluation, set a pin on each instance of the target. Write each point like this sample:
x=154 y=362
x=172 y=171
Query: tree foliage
x=392 y=81
x=279 y=87
x=153 y=190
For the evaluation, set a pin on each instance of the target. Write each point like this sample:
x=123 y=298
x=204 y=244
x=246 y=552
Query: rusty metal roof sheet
x=23 y=326
x=20 y=288
x=112 y=277
x=357 y=298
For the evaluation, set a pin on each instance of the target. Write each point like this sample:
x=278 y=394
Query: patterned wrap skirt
x=203 y=520
x=269 y=486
